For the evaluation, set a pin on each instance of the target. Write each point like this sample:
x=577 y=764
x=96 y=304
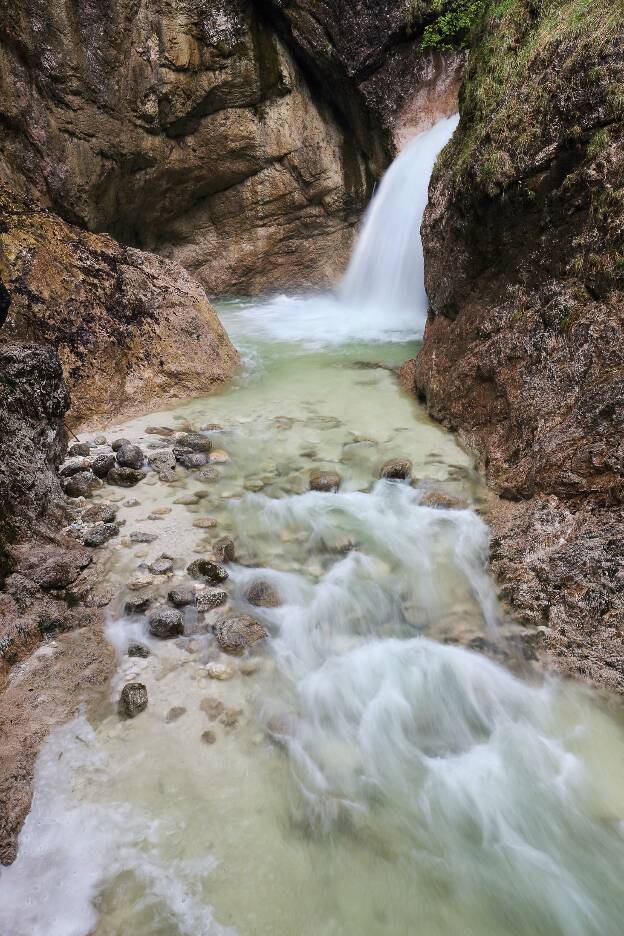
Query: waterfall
x=382 y=296
x=386 y=272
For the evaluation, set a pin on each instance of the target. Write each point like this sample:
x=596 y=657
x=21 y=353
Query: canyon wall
x=523 y=352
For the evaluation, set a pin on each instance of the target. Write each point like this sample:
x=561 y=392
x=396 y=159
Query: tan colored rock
x=132 y=329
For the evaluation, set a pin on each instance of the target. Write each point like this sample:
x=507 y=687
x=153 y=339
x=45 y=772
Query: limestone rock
x=237 y=632
x=263 y=595
x=327 y=481
x=208 y=569
x=124 y=477
x=166 y=623
x=210 y=598
x=133 y=700
x=396 y=469
x=130 y=456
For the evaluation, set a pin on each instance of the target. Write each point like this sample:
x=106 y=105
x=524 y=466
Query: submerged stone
x=326 y=481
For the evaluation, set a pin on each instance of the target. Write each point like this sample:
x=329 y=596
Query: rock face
x=130 y=328
x=41 y=574
x=523 y=352
x=186 y=129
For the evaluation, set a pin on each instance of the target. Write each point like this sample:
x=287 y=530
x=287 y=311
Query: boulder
x=208 y=569
x=237 y=632
x=122 y=476
x=130 y=456
x=166 y=623
x=99 y=533
x=133 y=700
x=396 y=469
x=102 y=464
x=82 y=484
x=210 y=598
x=263 y=595
x=327 y=481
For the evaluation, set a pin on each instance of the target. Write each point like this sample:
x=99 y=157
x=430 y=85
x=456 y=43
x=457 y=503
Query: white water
x=415 y=786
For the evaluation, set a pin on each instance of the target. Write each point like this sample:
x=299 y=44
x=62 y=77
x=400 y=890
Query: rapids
x=381 y=776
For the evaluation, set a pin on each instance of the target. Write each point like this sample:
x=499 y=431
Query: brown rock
x=208 y=737
x=237 y=632
x=224 y=549
x=166 y=623
x=208 y=569
x=133 y=700
x=263 y=595
x=327 y=481
x=396 y=469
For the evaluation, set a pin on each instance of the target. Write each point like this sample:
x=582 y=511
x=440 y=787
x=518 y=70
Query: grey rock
x=208 y=474
x=224 y=549
x=100 y=440
x=236 y=632
x=193 y=460
x=161 y=566
x=167 y=475
x=210 y=599
x=138 y=650
x=138 y=536
x=99 y=513
x=175 y=713
x=133 y=700
x=213 y=572
x=72 y=467
x=81 y=485
x=99 y=533
x=263 y=595
x=116 y=445
x=79 y=449
x=166 y=623
x=137 y=604
x=121 y=476
x=102 y=464
x=179 y=597
x=162 y=460
x=130 y=456
x=196 y=442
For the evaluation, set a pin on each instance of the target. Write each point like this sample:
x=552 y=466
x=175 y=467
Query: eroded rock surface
x=523 y=352
x=131 y=328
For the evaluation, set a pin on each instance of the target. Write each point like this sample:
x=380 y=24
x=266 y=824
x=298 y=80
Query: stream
x=387 y=762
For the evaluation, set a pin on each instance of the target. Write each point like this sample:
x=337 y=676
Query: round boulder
x=166 y=623
x=102 y=464
x=130 y=456
x=133 y=700
x=396 y=469
x=81 y=485
x=263 y=595
x=208 y=569
x=326 y=481
x=237 y=632
x=122 y=476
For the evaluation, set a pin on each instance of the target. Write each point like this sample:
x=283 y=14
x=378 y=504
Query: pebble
x=133 y=700
x=193 y=459
x=208 y=474
x=104 y=513
x=210 y=599
x=187 y=500
x=167 y=475
x=205 y=523
x=236 y=632
x=180 y=597
x=100 y=440
x=230 y=717
x=326 y=481
x=138 y=650
x=208 y=737
x=161 y=566
x=219 y=671
x=212 y=706
x=140 y=581
x=139 y=536
x=219 y=457
x=99 y=533
x=131 y=502
x=175 y=713
x=161 y=511
x=224 y=549
x=263 y=595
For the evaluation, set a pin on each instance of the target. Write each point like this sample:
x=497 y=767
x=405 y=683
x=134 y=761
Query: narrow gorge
x=311 y=467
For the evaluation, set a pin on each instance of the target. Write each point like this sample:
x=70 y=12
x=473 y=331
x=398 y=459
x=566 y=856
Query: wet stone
x=140 y=581
x=192 y=460
x=208 y=737
x=175 y=713
x=396 y=469
x=212 y=707
x=166 y=623
x=230 y=717
x=163 y=431
x=163 y=460
x=213 y=572
x=196 y=442
x=138 y=536
x=209 y=475
x=102 y=464
x=99 y=513
x=72 y=467
x=79 y=449
x=130 y=456
x=180 y=597
x=237 y=632
x=210 y=599
x=187 y=500
x=137 y=604
x=224 y=549
x=138 y=650
x=133 y=700
x=263 y=595
x=167 y=475
x=81 y=484
x=100 y=440
x=219 y=671
x=326 y=481
x=161 y=566
x=219 y=457
x=205 y=523
x=99 y=533
x=123 y=476
x=117 y=444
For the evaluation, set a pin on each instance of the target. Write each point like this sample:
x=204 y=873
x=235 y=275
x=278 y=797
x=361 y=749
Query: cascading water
x=370 y=772
x=386 y=273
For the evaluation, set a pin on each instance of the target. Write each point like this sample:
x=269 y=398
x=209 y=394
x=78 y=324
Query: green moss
x=453 y=24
